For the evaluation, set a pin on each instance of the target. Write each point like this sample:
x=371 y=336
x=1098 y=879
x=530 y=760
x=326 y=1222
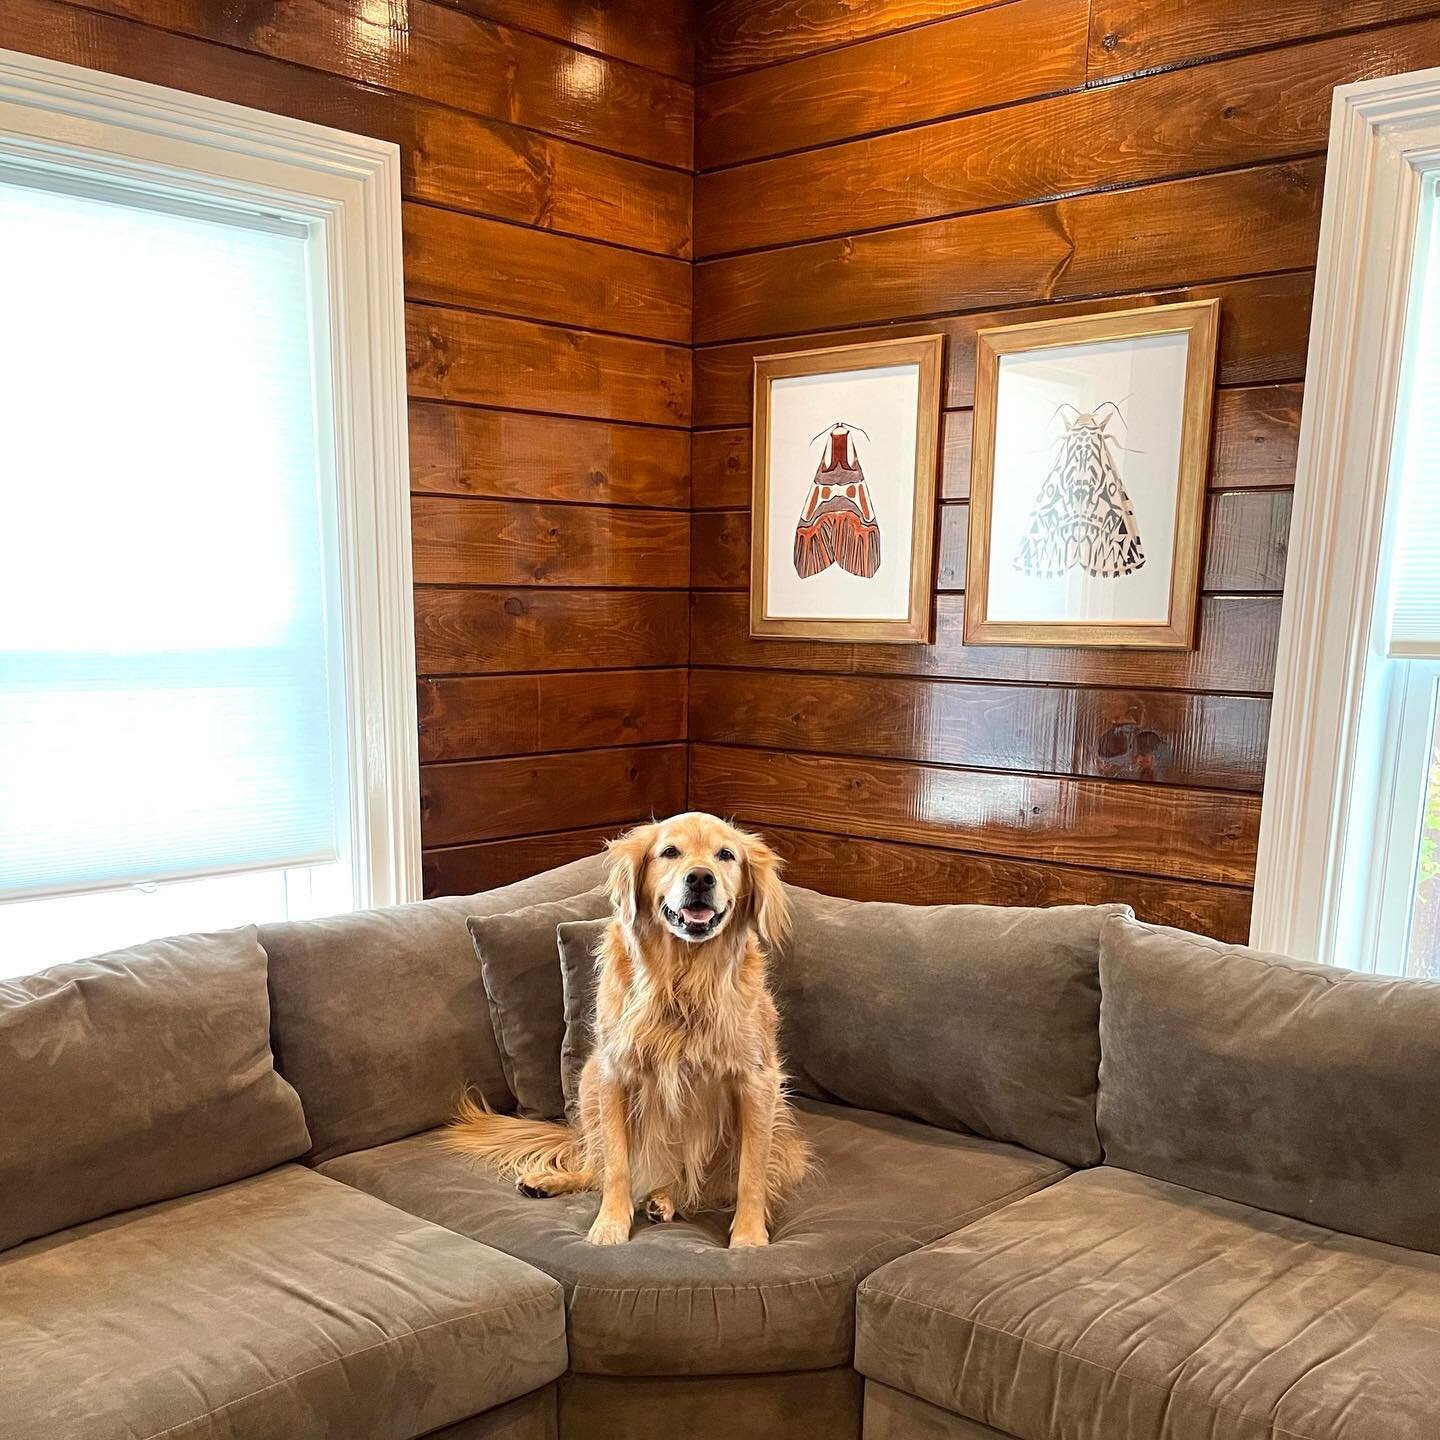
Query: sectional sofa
x=1081 y=1178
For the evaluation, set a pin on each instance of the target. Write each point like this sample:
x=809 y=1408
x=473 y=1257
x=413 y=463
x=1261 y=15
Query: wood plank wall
x=899 y=166
x=546 y=149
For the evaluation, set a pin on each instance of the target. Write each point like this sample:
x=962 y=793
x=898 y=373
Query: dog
x=682 y=1101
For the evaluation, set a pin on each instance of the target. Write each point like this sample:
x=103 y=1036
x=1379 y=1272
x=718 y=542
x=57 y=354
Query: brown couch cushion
x=135 y=1076
x=974 y=1017
x=676 y=1300
x=380 y=1017
x=578 y=941
x=1293 y=1087
x=1113 y=1305
x=521 y=967
x=285 y=1305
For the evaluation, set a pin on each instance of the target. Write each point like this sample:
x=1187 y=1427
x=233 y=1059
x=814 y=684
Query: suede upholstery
x=808 y=1405
x=1117 y=1307
x=577 y=941
x=861 y=987
x=531 y=1417
x=380 y=1018
x=894 y=1415
x=136 y=1076
x=675 y=1300
x=1293 y=1087
x=284 y=1305
x=517 y=955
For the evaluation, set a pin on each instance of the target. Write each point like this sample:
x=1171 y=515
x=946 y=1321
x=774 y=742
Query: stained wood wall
x=900 y=166
x=878 y=167
x=546 y=155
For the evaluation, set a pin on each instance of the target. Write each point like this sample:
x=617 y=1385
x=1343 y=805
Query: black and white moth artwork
x=1082 y=518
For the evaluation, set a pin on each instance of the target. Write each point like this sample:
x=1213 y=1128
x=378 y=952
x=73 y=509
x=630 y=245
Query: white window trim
x=1383 y=135
x=151 y=137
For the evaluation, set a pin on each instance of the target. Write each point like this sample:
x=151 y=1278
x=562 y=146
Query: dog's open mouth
x=695 y=922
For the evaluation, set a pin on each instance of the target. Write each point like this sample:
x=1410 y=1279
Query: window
x=206 y=667
x=1349 y=869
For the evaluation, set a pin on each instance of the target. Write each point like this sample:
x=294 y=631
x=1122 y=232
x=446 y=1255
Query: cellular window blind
x=1415 y=583
x=169 y=654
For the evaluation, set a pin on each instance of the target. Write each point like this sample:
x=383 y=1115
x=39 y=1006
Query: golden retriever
x=682 y=1102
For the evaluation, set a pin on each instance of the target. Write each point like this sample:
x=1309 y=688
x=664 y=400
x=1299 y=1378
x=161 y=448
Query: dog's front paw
x=606 y=1231
x=747 y=1236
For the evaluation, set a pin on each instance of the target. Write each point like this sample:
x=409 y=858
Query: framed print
x=843 y=513
x=1087 y=487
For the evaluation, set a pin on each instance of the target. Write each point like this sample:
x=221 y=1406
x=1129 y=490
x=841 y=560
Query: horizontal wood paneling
x=989 y=57
x=470 y=261
x=1159 y=735
x=495 y=631
x=1130 y=35
x=471 y=718
x=469 y=869
x=510 y=455
x=742 y=34
x=1234 y=650
x=1264 y=331
x=490 y=167
x=868 y=869
x=491 y=360
x=1146 y=829
x=437 y=53
x=492 y=799
x=502 y=542
x=1213 y=227
x=1244 y=545
x=1245 y=111
x=1010 y=774
x=632 y=30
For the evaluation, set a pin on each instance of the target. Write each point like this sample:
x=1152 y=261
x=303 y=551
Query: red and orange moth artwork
x=838 y=524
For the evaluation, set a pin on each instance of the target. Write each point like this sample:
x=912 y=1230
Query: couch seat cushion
x=282 y=1305
x=1114 y=1305
x=676 y=1300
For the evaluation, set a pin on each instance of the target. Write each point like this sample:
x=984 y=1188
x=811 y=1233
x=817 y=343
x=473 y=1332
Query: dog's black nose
x=700 y=880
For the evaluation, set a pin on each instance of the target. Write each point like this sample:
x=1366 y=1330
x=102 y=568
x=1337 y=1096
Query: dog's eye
x=726 y=854
x=670 y=852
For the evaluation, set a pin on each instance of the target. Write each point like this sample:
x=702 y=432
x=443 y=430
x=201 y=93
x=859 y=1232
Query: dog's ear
x=628 y=853
x=769 y=906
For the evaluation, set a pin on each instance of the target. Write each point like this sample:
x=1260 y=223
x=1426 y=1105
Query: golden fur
x=682 y=1101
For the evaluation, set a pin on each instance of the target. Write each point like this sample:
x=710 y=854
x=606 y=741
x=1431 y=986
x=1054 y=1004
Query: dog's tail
x=513 y=1145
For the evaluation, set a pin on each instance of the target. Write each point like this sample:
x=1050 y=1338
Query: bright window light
x=171 y=701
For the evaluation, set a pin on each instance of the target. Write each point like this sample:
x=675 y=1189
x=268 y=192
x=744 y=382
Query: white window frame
x=1330 y=837
x=346 y=190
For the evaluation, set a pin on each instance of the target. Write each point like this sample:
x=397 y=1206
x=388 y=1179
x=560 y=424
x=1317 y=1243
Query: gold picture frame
x=845 y=545
x=1080 y=469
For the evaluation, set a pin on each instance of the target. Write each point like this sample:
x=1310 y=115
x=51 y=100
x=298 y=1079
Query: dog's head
x=696 y=878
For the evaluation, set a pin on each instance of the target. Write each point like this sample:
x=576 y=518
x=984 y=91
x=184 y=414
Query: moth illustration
x=1082 y=516
x=838 y=524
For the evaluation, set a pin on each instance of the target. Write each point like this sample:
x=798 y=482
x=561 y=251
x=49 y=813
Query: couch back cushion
x=579 y=942
x=972 y=1017
x=138 y=1076
x=380 y=1017
x=520 y=962
x=1291 y=1087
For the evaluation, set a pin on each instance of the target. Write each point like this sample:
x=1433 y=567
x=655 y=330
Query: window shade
x=1415 y=584
x=167 y=672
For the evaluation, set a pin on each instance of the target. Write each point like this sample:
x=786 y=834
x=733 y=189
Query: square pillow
x=972 y=1017
x=138 y=1076
x=578 y=941
x=518 y=960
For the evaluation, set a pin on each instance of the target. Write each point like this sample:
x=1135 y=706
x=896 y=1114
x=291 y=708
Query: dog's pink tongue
x=697 y=914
